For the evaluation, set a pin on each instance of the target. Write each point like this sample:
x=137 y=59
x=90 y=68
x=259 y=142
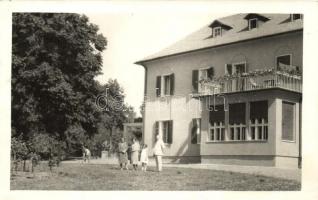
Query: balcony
x=252 y=81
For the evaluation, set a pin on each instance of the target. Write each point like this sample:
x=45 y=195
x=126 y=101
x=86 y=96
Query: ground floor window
x=288 y=121
x=258 y=120
x=216 y=124
x=245 y=122
x=237 y=121
x=217 y=132
x=165 y=128
x=196 y=131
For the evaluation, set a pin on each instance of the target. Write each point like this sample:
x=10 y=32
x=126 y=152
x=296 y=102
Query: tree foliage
x=55 y=58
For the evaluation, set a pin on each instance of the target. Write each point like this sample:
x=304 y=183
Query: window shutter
x=210 y=72
x=229 y=69
x=195 y=78
x=158 y=86
x=170 y=132
x=199 y=135
x=194 y=131
x=172 y=84
x=288 y=121
x=156 y=132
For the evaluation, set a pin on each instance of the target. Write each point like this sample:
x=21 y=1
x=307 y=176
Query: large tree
x=55 y=57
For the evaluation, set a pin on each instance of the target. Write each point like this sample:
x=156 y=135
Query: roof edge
x=141 y=62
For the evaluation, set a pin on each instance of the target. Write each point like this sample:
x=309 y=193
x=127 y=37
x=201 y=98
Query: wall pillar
x=274 y=122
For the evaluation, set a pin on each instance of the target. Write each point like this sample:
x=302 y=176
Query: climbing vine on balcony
x=257 y=72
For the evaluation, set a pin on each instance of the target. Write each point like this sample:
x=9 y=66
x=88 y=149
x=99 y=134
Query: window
x=196 y=131
x=294 y=17
x=252 y=23
x=165 y=128
x=259 y=120
x=228 y=69
x=235 y=68
x=217 y=31
x=217 y=128
x=239 y=68
x=288 y=121
x=283 y=62
x=198 y=76
x=165 y=85
x=237 y=122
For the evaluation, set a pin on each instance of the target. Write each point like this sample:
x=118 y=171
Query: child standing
x=144 y=158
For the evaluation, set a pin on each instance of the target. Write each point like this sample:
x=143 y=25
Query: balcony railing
x=273 y=79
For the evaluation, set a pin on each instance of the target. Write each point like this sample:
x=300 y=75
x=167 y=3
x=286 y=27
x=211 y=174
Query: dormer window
x=252 y=23
x=218 y=28
x=294 y=17
x=217 y=31
x=255 y=20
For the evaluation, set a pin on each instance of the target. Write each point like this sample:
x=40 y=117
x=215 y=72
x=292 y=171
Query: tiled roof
x=201 y=39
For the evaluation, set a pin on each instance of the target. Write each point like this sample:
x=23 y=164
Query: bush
x=47 y=146
x=19 y=151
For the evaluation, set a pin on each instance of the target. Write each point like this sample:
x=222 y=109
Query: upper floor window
x=218 y=28
x=252 y=23
x=283 y=62
x=165 y=85
x=199 y=75
x=217 y=31
x=294 y=17
x=235 y=68
x=254 y=20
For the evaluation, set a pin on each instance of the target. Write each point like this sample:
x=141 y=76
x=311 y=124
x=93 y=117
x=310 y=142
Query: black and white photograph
x=138 y=97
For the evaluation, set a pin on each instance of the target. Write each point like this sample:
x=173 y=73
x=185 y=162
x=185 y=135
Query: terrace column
x=274 y=122
x=226 y=121
x=247 y=121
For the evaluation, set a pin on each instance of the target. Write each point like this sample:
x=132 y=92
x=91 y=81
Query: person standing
x=122 y=154
x=86 y=154
x=144 y=157
x=158 y=152
x=135 y=148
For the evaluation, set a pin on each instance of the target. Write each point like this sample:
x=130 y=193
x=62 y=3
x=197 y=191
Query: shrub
x=47 y=146
x=19 y=151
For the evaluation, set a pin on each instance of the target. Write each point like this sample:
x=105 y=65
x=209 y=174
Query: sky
x=133 y=36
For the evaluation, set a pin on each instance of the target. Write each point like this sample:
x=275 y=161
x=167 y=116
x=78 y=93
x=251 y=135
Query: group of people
x=134 y=156
x=135 y=149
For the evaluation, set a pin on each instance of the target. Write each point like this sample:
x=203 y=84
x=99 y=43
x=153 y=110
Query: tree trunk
x=24 y=162
x=110 y=143
x=32 y=167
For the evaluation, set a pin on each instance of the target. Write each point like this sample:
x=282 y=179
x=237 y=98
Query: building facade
x=229 y=93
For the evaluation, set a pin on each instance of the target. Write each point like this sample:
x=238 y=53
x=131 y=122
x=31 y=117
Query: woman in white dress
x=135 y=148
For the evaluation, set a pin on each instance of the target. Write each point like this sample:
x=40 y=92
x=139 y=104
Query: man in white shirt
x=158 y=152
x=86 y=154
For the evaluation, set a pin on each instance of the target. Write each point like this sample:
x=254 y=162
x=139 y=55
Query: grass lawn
x=109 y=177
